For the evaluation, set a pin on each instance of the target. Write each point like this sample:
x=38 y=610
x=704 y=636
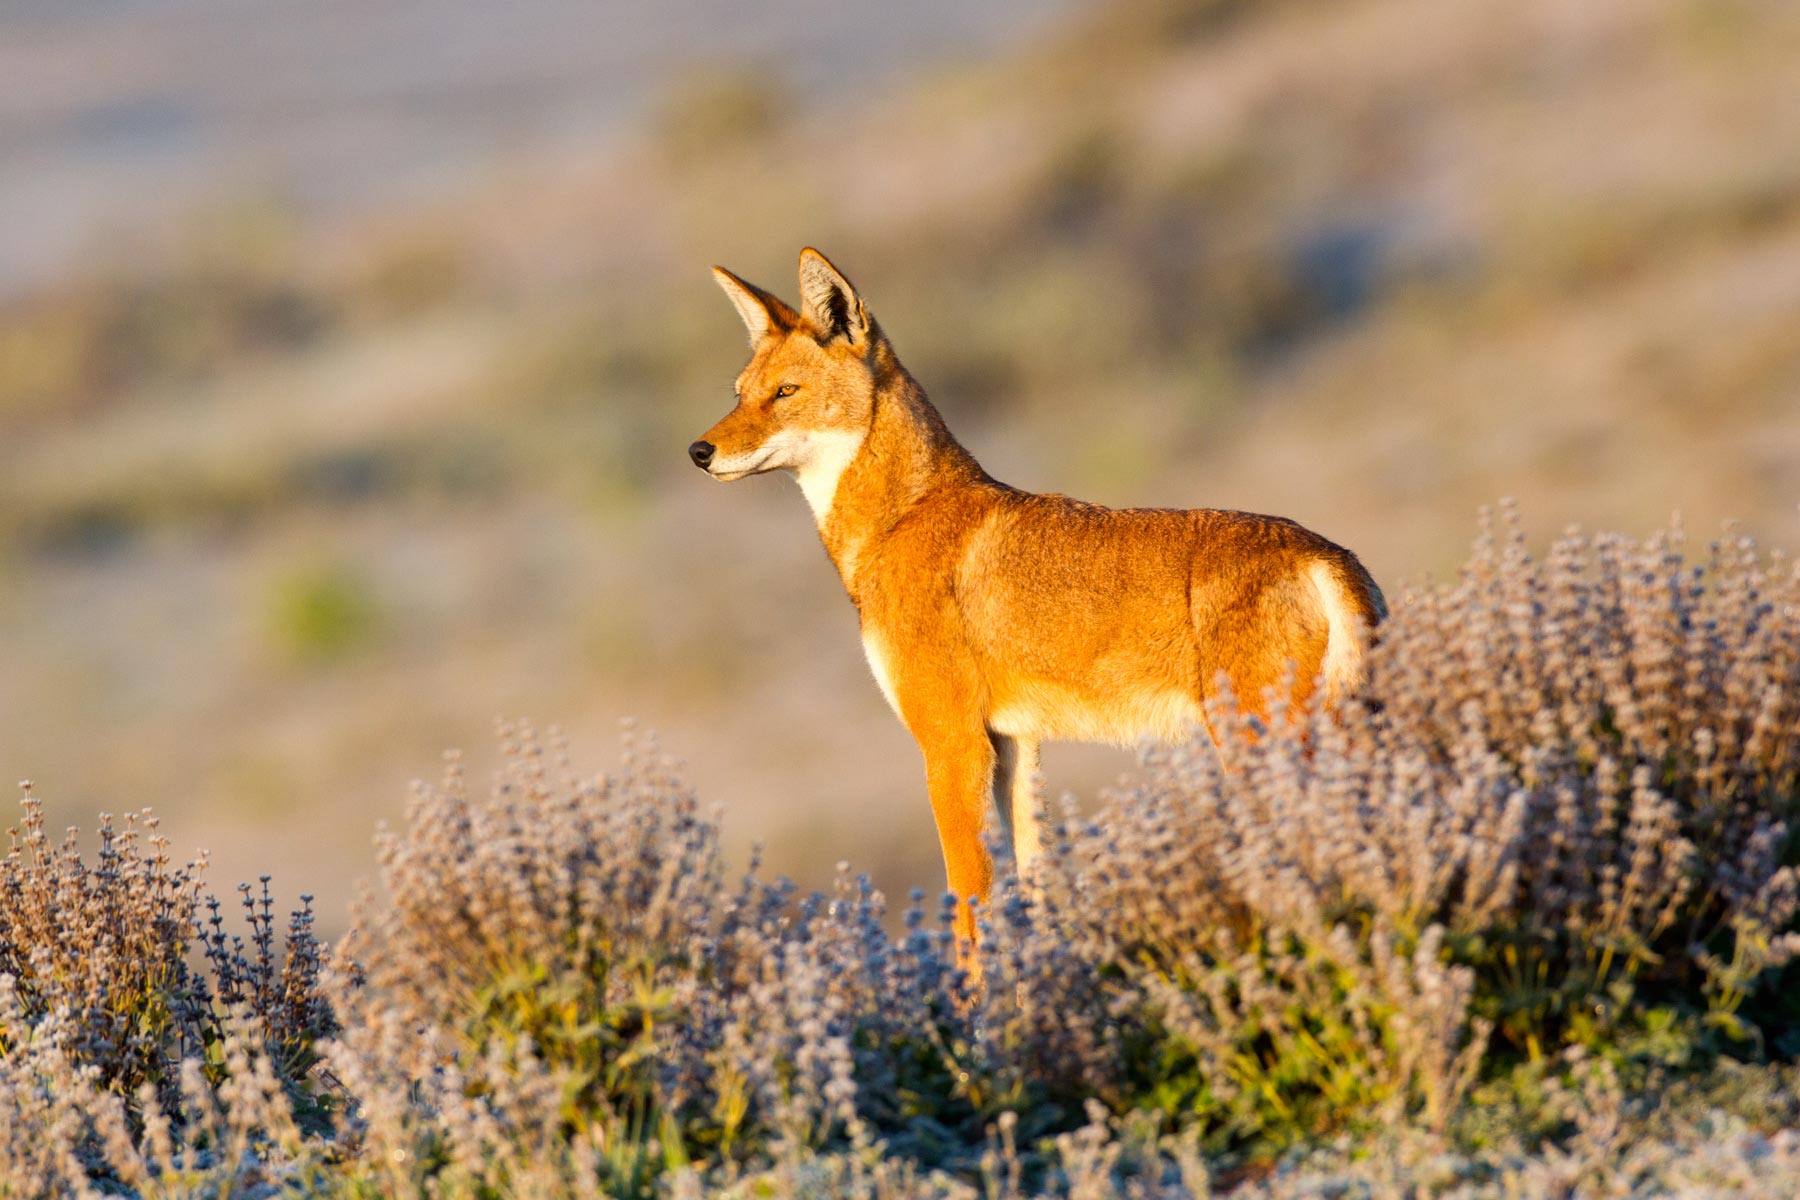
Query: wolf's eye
x=786 y=389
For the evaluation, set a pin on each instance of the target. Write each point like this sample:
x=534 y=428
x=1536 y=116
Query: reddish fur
x=1007 y=617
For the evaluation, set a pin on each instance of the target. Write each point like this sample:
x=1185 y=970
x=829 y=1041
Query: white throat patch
x=828 y=454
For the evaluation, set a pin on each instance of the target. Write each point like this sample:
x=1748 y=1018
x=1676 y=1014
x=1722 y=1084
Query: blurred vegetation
x=323 y=613
x=1113 y=252
x=718 y=108
x=237 y=293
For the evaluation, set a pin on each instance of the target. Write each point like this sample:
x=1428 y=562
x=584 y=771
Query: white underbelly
x=1042 y=711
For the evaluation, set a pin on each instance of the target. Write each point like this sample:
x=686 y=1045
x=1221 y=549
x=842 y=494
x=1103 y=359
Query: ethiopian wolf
x=993 y=618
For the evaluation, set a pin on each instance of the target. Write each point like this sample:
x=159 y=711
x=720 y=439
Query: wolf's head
x=805 y=399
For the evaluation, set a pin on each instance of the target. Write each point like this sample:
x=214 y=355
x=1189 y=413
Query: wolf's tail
x=1353 y=606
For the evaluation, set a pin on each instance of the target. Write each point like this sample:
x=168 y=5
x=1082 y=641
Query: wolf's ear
x=828 y=303
x=763 y=314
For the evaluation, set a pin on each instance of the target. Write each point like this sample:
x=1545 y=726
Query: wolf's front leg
x=959 y=768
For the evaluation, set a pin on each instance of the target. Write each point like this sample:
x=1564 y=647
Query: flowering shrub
x=1640 y=719
x=119 y=953
x=1547 y=851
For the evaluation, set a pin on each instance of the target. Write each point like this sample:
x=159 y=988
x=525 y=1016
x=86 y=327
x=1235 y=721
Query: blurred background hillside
x=349 y=351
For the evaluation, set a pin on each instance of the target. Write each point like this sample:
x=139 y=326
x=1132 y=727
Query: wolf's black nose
x=701 y=453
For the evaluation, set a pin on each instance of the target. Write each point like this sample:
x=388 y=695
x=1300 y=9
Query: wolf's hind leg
x=1015 y=794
